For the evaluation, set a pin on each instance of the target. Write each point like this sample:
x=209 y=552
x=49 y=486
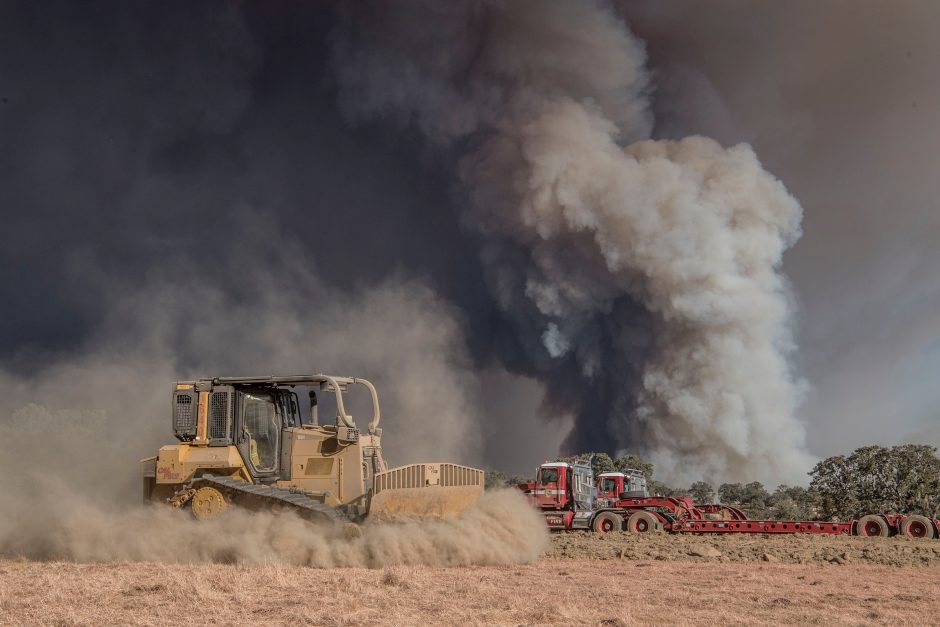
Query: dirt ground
x=789 y=549
x=583 y=579
x=548 y=592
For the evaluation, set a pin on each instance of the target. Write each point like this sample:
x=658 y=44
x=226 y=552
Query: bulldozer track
x=297 y=501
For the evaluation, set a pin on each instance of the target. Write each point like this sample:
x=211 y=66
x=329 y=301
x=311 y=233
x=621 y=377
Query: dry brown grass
x=550 y=592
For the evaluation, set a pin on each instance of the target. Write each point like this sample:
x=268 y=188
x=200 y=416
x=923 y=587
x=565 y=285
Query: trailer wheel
x=643 y=522
x=872 y=526
x=917 y=527
x=606 y=522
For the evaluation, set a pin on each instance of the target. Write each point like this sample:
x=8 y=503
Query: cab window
x=549 y=475
x=608 y=485
x=290 y=408
x=262 y=430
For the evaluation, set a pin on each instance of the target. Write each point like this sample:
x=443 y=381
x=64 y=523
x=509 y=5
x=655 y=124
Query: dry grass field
x=548 y=592
x=581 y=579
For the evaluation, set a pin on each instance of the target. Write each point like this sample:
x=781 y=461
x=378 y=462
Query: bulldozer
x=243 y=442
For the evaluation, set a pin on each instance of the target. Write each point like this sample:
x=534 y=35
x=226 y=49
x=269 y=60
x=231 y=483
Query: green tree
x=870 y=468
x=914 y=481
x=730 y=493
x=658 y=488
x=702 y=492
x=792 y=503
x=903 y=479
x=752 y=498
x=834 y=486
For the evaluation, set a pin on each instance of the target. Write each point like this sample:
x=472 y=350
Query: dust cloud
x=501 y=529
x=71 y=434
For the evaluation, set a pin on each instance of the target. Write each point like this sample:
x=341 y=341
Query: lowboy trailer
x=570 y=499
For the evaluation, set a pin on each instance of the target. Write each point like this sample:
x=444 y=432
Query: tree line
x=899 y=479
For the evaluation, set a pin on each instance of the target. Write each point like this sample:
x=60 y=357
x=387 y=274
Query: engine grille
x=220 y=416
x=184 y=416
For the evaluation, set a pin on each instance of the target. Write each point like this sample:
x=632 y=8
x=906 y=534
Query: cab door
x=550 y=485
x=259 y=433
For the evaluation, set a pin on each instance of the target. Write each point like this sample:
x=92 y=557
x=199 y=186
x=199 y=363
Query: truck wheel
x=871 y=526
x=606 y=522
x=643 y=522
x=917 y=527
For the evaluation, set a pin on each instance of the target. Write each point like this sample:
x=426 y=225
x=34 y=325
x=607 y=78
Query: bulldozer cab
x=266 y=417
x=261 y=415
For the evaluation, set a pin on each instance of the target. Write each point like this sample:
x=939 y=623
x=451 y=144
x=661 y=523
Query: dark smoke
x=640 y=278
x=184 y=201
x=398 y=163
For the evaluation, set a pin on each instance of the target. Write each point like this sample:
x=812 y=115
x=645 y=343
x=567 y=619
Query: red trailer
x=568 y=496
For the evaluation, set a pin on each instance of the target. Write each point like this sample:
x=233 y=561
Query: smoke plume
x=641 y=278
x=462 y=202
x=840 y=100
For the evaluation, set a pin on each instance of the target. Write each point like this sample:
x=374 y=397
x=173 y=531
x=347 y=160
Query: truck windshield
x=548 y=475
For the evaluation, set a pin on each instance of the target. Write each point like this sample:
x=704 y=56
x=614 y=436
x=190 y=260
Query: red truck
x=570 y=499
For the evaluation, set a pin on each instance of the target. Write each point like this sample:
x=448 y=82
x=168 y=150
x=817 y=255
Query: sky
x=186 y=192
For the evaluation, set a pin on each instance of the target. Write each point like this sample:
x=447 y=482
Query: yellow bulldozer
x=243 y=441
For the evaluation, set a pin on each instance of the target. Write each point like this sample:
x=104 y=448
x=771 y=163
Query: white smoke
x=642 y=277
x=847 y=114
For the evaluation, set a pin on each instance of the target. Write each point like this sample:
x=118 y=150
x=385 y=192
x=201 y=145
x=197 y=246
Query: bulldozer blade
x=425 y=491
x=439 y=502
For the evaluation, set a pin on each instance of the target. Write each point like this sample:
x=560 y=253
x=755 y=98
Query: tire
x=643 y=522
x=607 y=522
x=872 y=526
x=918 y=527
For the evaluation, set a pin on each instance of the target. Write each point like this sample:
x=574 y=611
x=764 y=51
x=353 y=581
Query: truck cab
x=613 y=486
x=565 y=493
x=552 y=486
